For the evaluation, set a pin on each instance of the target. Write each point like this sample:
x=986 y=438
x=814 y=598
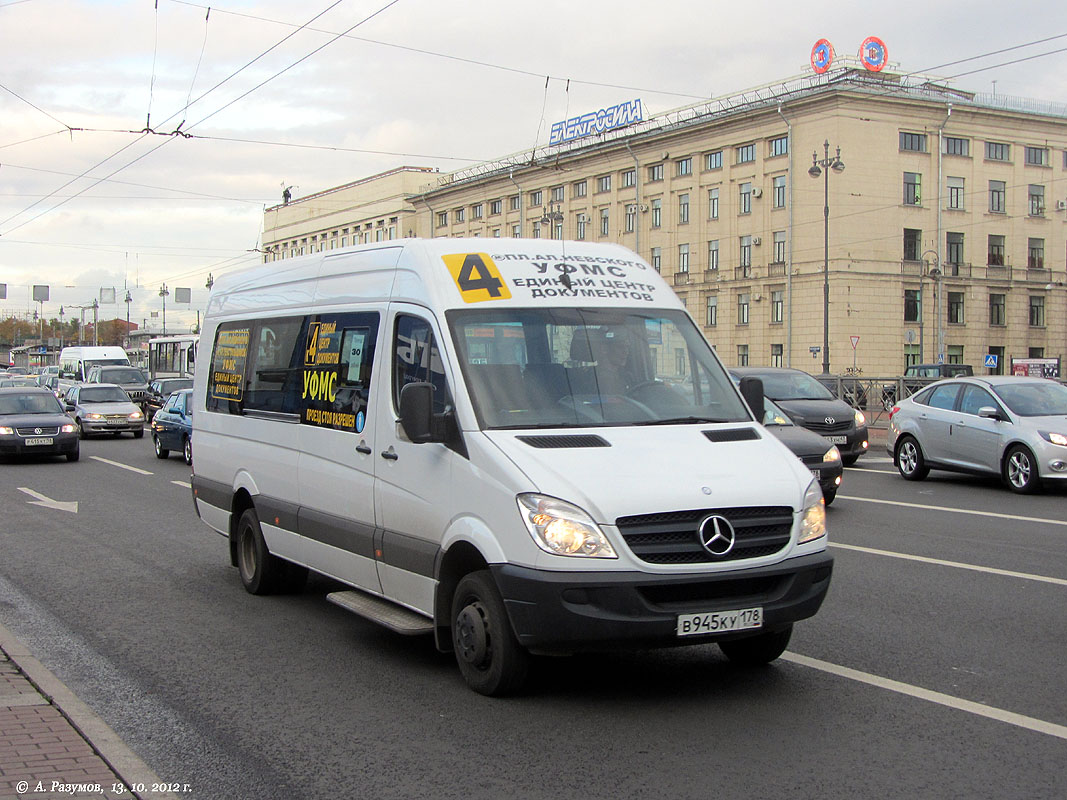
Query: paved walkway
x=53 y=746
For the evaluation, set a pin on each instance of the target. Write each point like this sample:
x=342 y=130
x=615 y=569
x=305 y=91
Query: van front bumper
x=566 y=612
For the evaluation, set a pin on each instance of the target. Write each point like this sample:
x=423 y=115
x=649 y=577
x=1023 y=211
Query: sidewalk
x=52 y=745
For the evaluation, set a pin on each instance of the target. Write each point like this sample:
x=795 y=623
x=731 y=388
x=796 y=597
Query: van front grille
x=674 y=537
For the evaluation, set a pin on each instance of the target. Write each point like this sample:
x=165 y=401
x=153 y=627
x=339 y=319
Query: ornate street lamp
x=822 y=167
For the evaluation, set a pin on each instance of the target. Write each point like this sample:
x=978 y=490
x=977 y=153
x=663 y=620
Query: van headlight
x=813 y=517
x=563 y=529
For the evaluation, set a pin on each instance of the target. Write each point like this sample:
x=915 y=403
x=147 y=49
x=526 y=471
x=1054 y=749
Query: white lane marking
x=957 y=564
x=1013 y=517
x=122 y=466
x=48 y=502
x=867 y=469
x=979 y=709
x=184 y=484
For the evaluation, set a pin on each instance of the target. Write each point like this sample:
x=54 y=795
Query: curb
x=126 y=764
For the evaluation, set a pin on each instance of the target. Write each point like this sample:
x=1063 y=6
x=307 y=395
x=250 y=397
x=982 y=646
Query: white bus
x=172 y=356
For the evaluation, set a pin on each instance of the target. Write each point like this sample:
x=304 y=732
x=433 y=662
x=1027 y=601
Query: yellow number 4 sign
x=477 y=277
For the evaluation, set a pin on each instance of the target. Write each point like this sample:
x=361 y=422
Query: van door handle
x=362 y=448
x=390 y=454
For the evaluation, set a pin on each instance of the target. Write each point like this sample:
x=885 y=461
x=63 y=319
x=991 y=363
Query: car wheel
x=161 y=451
x=490 y=658
x=848 y=461
x=910 y=460
x=188 y=451
x=829 y=494
x=138 y=434
x=81 y=430
x=74 y=455
x=754 y=651
x=1020 y=470
x=261 y=572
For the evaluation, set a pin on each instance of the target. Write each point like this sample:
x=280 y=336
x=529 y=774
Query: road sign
x=940 y=358
x=855 y=341
x=815 y=349
x=991 y=361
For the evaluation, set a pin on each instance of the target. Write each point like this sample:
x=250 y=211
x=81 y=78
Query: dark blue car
x=172 y=426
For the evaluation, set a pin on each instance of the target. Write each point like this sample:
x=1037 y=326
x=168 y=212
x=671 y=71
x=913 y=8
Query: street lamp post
x=129 y=299
x=163 y=292
x=96 y=322
x=822 y=167
x=61 y=312
x=935 y=273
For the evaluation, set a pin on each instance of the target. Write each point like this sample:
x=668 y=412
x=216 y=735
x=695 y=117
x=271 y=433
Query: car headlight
x=831 y=455
x=95 y=416
x=135 y=416
x=67 y=429
x=5 y=431
x=813 y=517
x=860 y=419
x=563 y=529
x=1055 y=438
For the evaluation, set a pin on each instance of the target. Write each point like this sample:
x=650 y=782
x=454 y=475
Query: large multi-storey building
x=945 y=237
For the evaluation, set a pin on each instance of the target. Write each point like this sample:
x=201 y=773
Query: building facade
x=945 y=237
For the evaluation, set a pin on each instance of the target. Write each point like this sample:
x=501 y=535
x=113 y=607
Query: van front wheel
x=490 y=658
x=262 y=573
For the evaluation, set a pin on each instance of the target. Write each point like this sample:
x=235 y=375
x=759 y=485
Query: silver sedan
x=1015 y=427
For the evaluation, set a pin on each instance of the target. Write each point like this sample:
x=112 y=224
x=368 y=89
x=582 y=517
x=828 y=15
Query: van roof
x=450 y=273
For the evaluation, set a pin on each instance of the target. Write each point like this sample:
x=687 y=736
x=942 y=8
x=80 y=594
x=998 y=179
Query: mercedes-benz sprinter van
x=520 y=446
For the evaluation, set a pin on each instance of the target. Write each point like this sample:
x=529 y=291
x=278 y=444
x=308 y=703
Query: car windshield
x=793 y=386
x=104 y=394
x=29 y=404
x=121 y=375
x=1034 y=398
x=569 y=367
x=166 y=387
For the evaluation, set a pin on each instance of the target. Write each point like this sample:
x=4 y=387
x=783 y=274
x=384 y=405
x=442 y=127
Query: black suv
x=131 y=379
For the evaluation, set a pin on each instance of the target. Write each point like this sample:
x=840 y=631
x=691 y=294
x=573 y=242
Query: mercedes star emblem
x=717 y=535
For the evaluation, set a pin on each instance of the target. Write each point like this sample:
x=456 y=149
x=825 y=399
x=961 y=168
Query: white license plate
x=720 y=621
x=116 y=422
x=836 y=439
x=39 y=440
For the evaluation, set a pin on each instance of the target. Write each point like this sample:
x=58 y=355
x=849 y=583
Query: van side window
x=336 y=380
x=229 y=357
x=416 y=359
x=274 y=375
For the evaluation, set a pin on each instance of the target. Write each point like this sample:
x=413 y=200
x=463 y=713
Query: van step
x=395 y=618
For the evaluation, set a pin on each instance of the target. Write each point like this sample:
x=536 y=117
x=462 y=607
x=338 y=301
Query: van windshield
x=566 y=368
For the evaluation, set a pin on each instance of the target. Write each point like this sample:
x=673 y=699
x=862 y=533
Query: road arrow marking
x=48 y=502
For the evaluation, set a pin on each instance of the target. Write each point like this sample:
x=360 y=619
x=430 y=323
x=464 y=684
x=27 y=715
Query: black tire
x=161 y=451
x=755 y=651
x=74 y=455
x=1020 y=470
x=81 y=430
x=138 y=434
x=829 y=494
x=262 y=573
x=910 y=460
x=490 y=658
x=187 y=450
x=848 y=461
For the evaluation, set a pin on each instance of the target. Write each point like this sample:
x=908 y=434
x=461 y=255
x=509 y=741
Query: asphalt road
x=935 y=669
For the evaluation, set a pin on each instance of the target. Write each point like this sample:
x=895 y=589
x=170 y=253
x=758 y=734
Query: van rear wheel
x=754 y=651
x=490 y=658
x=261 y=572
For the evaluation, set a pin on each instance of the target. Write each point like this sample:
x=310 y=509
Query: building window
x=778 y=146
x=955 y=354
x=1037 y=311
x=954 y=242
x=912 y=188
x=603 y=184
x=778 y=253
x=746 y=254
x=655 y=173
x=956 y=196
x=631 y=218
x=713 y=254
x=657 y=212
x=746 y=154
x=713 y=203
x=911 y=305
x=1036 y=196
x=557 y=194
x=745 y=205
x=713 y=160
x=995 y=252
x=1036 y=156
x=912 y=244
x=742 y=308
x=683 y=167
x=516 y=231
x=777 y=307
x=442 y=219
x=537 y=198
x=657 y=258
x=999 y=353
x=955 y=146
x=478 y=211
x=778 y=188
x=513 y=203
x=683 y=258
x=496 y=233
x=776 y=355
x=996 y=197
x=1035 y=352
x=459 y=214
x=557 y=230
x=629 y=178
x=742 y=355
x=996 y=151
x=955 y=308
x=683 y=209
x=605 y=221
x=580 y=188
x=997 y=309
x=1035 y=253
x=536 y=230
x=581 y=227
x=712 y=318
x=496 y=206
x=915 y=142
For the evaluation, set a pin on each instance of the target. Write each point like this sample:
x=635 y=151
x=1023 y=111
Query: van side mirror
x=416 y=411
x=752 y=391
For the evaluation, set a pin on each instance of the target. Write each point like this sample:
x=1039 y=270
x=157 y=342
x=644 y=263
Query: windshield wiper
x=684 y=420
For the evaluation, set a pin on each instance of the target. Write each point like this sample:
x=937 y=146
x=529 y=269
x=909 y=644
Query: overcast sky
x=414 y=82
